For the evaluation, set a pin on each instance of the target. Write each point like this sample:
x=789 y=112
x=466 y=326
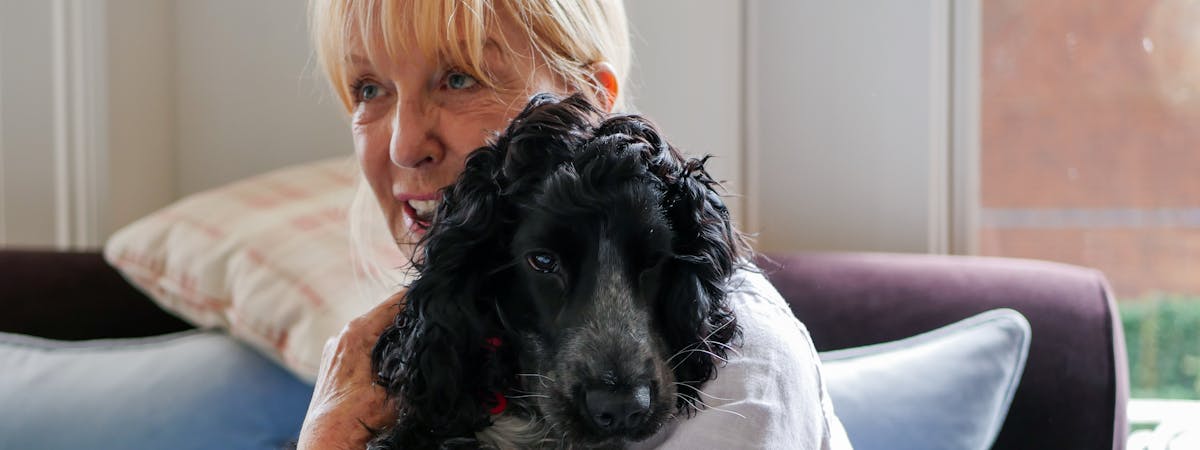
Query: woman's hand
x=346 y=400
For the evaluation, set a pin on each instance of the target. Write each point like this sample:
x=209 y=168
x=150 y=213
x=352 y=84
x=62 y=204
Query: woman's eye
x=542 y=262
x=368 y=91
x=459 y=80
x=365 y=90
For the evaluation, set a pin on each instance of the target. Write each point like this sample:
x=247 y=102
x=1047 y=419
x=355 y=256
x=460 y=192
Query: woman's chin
x=408 y=233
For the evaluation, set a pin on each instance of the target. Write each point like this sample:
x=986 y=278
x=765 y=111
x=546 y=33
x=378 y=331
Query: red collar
x=500 y=402
x=492 y=343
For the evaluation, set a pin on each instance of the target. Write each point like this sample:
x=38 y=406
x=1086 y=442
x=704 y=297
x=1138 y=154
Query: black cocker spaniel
x=571 y=290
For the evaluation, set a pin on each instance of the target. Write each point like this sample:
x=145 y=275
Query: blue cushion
x=946 y=389
x=192 y=390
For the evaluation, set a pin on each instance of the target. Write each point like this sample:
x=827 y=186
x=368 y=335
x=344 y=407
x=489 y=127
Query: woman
x=425 y=83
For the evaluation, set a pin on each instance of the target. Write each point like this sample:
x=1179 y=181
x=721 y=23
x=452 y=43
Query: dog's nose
x=613 y=410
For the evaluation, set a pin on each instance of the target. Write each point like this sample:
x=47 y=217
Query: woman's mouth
x=420 y=211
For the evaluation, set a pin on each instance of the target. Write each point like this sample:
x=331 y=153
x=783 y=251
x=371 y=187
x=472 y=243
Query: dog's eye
x=542 y=262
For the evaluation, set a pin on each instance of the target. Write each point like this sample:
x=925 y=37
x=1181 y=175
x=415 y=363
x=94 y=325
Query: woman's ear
x=608 y=87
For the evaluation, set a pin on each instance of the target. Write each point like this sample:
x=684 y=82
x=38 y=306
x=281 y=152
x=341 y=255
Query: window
x=1090 y=154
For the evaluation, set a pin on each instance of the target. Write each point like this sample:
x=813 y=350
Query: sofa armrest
x=1075 y=386
x=74 y=296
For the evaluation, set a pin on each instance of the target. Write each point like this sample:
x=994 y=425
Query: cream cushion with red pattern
x=266 y=258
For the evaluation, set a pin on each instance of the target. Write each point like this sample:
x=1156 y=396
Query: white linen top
x=770 y=394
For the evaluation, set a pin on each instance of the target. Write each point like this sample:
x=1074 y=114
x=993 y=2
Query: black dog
x=571 y=290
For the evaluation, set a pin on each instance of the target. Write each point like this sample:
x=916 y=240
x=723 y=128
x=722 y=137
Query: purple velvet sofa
x=1072 y=394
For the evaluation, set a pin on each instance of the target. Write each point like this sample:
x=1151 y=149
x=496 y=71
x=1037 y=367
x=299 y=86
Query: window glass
x=1090 y=155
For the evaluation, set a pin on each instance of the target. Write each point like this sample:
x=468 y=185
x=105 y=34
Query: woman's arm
x=346 y=400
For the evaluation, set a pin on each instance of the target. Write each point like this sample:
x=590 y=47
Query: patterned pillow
x=266 y=258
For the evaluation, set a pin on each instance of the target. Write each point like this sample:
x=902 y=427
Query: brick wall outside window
x=1091 y=138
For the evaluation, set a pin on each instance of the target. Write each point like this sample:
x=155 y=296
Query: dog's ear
x=699 y=321
x=433 y=359
x=699 y=324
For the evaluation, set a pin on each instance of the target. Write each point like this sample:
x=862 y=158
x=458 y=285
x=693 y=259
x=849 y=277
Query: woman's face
x=415 y=121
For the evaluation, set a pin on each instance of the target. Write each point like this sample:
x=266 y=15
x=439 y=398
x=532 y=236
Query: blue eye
x=459 y=80
x=368 y=91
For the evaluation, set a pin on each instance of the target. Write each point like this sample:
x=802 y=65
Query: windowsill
x=1163 y=423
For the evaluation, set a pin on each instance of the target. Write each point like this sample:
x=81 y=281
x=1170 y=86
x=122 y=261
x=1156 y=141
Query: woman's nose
x=414 y=143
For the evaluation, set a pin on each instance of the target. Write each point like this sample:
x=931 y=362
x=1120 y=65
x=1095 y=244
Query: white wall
x=53 y=122
x=247 y=97
x=829 y=117
x=847 y=123
x=141 y=103
x=110 y=109
x=26 y=124
x=687 y=77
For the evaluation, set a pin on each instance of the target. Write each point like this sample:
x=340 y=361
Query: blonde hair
x=567 y=36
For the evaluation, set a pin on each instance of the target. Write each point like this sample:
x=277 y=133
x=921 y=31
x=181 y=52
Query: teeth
x=424 y=208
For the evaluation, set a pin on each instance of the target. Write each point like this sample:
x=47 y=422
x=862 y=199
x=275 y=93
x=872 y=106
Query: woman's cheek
x=473 y=123
x=372 y=135
x=371 y=145
x=362 y=142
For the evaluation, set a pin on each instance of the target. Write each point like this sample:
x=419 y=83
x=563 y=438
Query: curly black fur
x=608 y=199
